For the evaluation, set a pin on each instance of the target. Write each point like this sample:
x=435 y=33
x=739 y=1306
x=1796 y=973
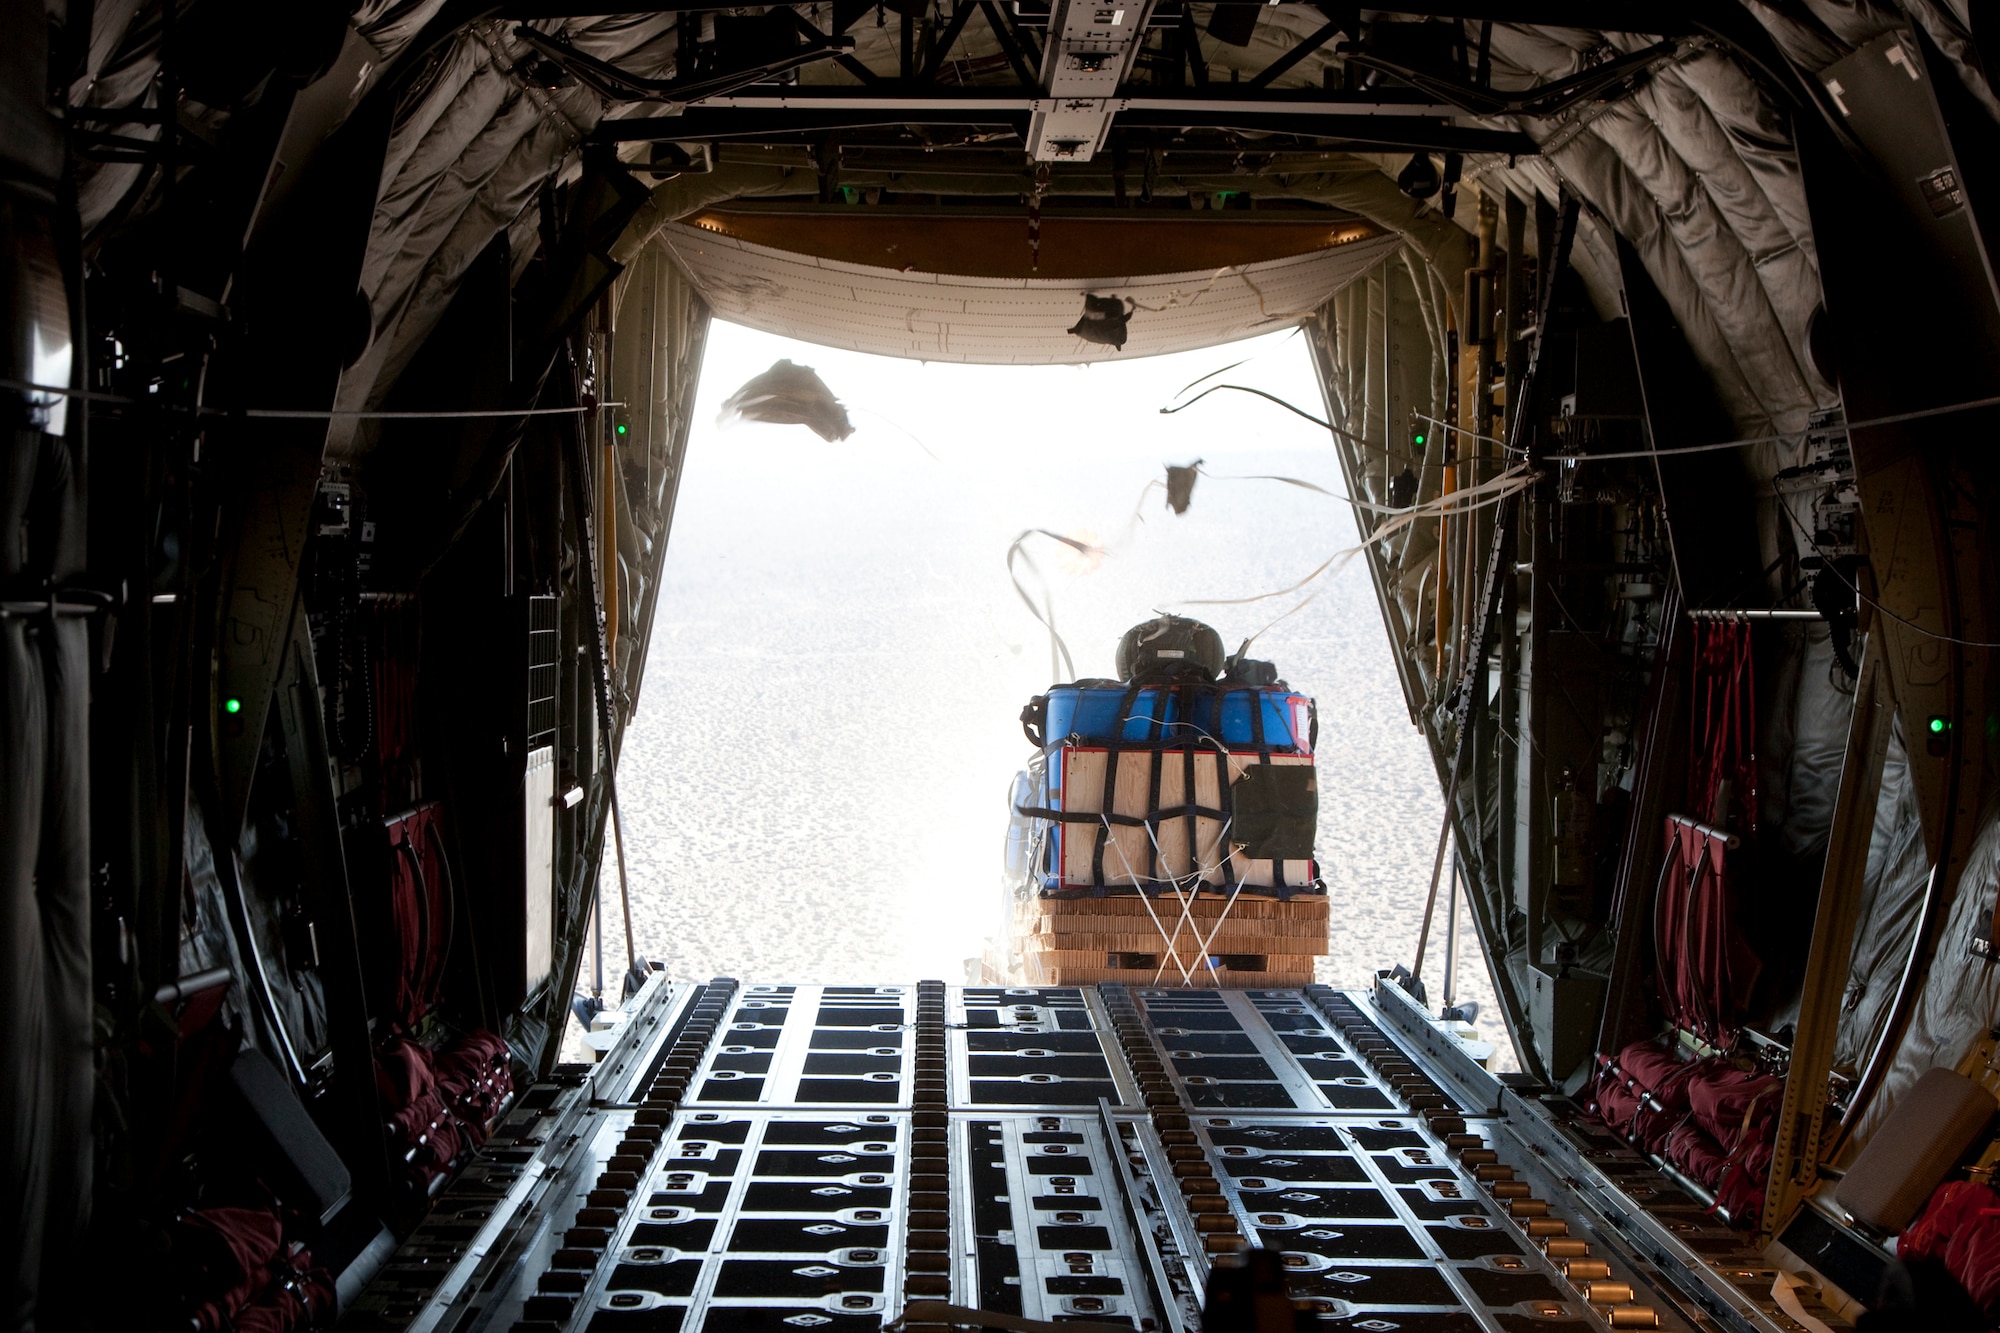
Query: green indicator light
x=1420 y=439
x=1937 y=725
x=232 y=705
x=621 y=428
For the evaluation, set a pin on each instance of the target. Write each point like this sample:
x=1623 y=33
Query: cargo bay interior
x=351 y=350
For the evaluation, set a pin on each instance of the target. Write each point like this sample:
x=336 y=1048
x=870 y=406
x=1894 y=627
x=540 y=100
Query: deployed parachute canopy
x=789 y=395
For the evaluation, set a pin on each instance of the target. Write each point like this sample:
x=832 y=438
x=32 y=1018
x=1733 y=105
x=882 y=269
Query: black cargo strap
x=1113 y=748
x=1157 y=732
x=1151 y=885
x=1185 y=736
x=1263 y=747
x=1125 y=821
x=1193 y=814
x=1224 y=789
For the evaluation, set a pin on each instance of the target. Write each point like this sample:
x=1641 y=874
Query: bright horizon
x=814 y=783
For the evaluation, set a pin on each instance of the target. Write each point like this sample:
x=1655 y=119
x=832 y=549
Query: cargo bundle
x=1163 y=832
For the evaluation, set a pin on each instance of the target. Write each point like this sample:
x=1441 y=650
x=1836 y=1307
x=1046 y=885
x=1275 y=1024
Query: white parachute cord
x=1145 y=902
x=1186 y=898
x=1508 y=483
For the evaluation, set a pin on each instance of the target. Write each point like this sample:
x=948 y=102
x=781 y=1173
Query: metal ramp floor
x=781 y=1158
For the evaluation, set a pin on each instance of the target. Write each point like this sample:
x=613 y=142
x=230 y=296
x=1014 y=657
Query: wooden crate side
x=1275 y=962
x=1128 y=849
x=1302 y=906
x=1311 y=935
x=1125 y=925
x=1088 y=976
x=1153 y=943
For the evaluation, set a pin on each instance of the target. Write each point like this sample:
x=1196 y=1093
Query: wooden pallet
x=1120 y=924
x=1249 y=907
x=1225 y=979
x=1075 y=941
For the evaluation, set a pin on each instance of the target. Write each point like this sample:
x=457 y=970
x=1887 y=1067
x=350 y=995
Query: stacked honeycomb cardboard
x=1261 y=942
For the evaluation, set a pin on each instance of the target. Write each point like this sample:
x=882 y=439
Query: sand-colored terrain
x=814 y=787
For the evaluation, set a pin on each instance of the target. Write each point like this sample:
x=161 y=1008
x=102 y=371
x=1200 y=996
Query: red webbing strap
x=1723 y=745
x=439 y=1102
x=1746 y=1172
x=421 y=908
x=407 y=915
x=1709 y=927
x=1705 y=970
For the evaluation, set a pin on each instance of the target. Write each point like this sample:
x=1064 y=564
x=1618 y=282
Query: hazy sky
x=814 y=787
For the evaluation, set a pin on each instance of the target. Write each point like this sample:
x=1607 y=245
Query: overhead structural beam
x=703 y=123
x=1189 y=38
x=758 y=115
x=1659 y=20
x=1090 y=51
x=1369 y=131
x=941 y=49
x=1665 y=20
x=1075 y=96
x=1194 y=104
x=1608 y=82
x=815 y=39
x=770 y=122
x=1284 y=63
x=610 y=81
x=1011 y=40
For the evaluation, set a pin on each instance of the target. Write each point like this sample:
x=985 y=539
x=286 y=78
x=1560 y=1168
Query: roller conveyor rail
x=800 y=1157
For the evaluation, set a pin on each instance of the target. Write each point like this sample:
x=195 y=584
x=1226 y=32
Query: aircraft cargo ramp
x=799 y=1157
